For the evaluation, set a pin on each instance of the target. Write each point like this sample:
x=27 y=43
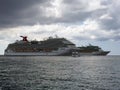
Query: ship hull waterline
x=55 y=54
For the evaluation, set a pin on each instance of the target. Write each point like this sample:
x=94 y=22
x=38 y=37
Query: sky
x=83 y=22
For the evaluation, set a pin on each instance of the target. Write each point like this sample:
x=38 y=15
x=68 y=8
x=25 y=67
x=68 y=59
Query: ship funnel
x=24 y=38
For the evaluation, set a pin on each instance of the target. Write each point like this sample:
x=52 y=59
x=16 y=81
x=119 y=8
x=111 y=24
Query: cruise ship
x=50 y=47
x=92 y=50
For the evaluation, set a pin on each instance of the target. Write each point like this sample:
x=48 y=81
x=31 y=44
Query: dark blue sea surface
x=60 y=73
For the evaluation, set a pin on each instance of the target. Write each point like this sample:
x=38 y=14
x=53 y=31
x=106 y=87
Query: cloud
x=89 y=30
x=75 y=19
x=110 y=19
x=29 y=12
x=21 y=12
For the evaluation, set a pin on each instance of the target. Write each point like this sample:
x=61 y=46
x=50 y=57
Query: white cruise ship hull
x=32 y=54
x=56 y=53
x=65 y=52
x=102 y=53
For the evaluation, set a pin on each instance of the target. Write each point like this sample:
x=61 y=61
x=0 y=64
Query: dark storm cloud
x=72 y=18
x=77 y=10
x=20 y=12
x=10 y=6
x=74 y=11
x=29 y=12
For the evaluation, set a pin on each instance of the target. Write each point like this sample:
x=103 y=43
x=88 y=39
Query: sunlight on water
x=60 y=73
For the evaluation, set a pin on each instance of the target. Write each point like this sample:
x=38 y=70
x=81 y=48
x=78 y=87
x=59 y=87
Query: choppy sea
x=60 y=73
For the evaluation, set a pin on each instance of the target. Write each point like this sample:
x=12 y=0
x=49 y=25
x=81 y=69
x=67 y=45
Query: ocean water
x=60 y=73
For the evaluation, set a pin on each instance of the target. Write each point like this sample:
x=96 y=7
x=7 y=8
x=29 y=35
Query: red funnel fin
x=24 y=38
